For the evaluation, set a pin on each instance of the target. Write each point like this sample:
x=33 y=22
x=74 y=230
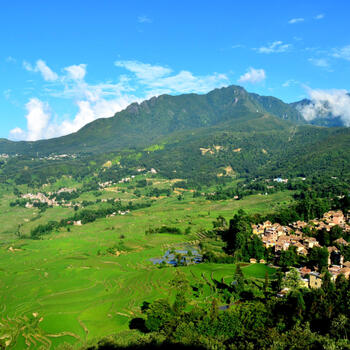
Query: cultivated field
x=78 y=285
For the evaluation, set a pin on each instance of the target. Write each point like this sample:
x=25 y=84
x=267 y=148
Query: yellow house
x=315 y=280
x=258 y=229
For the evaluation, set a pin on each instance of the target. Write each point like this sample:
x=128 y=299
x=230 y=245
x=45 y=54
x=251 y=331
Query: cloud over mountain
x=327 y=104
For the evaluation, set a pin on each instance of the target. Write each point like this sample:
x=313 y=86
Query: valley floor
x=79 y=285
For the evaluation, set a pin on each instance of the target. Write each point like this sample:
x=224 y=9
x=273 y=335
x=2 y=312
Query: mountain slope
x=142 y=124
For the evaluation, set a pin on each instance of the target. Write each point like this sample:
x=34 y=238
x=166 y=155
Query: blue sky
x=66 y=63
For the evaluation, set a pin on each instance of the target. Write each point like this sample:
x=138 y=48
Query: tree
x=292 y=279
x=318 y=257
x=158 y=314
x=180 y=282
x=288 y=257
x=255 y=248
x=339 y=327
x=279 y=279
x=220 y=223
x=296 y=305
x=266 y=283
x=238 y=280
x=18 y=231
x=237 y=235
x=181 y=285
x=214 y=310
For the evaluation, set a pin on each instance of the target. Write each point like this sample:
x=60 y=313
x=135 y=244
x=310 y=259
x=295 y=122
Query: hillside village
x=49 y=198
x=280 y=238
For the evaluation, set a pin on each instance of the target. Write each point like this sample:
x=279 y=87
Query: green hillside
x=146 y=123
x=225 y=133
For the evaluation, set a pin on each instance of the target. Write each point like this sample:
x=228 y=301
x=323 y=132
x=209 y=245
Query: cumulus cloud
x=104 y=99
x=296 y=20
x=275 y=47
x=42 y=125
x=90 y=111
x=38 y=117
x=47 y=73
x=343 y=52
x=253 y=76
x=319 y=62
x=326 y=103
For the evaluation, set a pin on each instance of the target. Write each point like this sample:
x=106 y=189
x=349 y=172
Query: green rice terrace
x=82 y=282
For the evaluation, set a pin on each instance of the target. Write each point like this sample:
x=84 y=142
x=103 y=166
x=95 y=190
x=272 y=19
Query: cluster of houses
x=59 y=156
x=48 y=198
x=126 y=179
x=281 y=237
x=280 y=180
x=120 y=212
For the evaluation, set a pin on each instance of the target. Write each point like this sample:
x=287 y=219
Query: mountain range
x=199 y=137
x=142 y=124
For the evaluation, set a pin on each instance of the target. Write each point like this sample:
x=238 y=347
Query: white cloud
x=45 y=71
x=326 y=102
x=144 y=71
x=144 y=19
x=17 y=134
x=106 y=98
x=76 y=72
x=159 y=80
x=276 y=46
x=296 y=20
x=343 y=52
x=320 y=16
x=90 y=111
x=41 y=66
x=253 y=76
x=41 y=124
x=38 y=117
x=319 y=62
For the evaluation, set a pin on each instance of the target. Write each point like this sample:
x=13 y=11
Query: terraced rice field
x=67 y=289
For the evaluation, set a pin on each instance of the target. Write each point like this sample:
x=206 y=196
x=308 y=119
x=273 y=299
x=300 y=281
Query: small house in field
x=252 y=261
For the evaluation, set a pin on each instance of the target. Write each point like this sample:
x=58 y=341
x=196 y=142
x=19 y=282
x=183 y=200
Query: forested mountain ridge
x=227 y=132
x=145 y=123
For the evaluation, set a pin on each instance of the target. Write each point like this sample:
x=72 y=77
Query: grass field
x=66 y=288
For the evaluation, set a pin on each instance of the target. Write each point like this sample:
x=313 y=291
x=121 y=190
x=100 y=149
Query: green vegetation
x=84 y=282
x=170 y=175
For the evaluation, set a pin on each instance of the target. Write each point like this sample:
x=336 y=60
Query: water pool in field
x=179 y=257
